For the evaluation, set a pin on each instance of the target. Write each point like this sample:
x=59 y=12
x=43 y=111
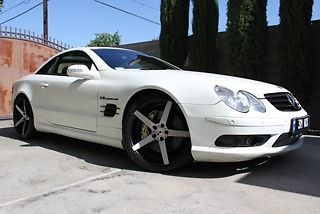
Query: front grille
x=283 y=101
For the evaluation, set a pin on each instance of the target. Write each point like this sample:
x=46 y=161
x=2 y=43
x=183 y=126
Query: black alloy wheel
x=23 y=118
x=156 y=135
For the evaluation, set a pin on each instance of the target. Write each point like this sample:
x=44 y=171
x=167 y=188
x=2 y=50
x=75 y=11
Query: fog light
x=241 y=140
x=249 y=141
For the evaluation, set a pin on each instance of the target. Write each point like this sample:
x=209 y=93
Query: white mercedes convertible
x=162 y=116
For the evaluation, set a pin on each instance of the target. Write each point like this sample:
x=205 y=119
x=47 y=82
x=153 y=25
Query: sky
x=75 y=22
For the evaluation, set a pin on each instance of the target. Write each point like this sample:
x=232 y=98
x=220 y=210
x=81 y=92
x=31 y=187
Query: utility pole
x=45 y=21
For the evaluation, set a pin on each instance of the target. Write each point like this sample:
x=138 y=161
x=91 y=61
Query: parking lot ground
x=55 y=174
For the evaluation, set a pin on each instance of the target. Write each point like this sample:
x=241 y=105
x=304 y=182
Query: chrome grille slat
x=283 y=101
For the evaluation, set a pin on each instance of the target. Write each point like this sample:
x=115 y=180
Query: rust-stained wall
x=18 y=58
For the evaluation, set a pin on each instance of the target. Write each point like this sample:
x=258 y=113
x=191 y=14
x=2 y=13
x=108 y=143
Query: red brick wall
x=18 y=58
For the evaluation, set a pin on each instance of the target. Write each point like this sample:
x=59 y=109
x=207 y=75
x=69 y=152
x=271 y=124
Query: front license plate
x=299 y=124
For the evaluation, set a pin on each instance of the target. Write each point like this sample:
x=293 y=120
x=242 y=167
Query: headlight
x=241 y=101
x=255 y=103
x=237 y=101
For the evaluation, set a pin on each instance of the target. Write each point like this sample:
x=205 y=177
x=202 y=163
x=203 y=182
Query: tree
x=205 y=34
x=1 y=4
x=105 y=40
x=295 y=24
x=246 y=35
x=174 y=31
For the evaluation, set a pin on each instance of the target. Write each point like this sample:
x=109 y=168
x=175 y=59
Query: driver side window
x=59 y=65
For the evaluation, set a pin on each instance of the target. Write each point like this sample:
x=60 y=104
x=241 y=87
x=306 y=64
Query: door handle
x=44 y=85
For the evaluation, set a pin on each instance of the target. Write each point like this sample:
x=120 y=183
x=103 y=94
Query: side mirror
x=80 y=71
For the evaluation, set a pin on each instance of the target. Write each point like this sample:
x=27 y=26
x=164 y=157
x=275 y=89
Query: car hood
x=186 y=87
x=200 y=79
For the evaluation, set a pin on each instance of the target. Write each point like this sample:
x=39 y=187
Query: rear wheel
x=156 y=135
x=23 y=118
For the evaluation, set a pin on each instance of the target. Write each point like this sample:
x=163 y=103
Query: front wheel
x=156 y=134
x=23 y=118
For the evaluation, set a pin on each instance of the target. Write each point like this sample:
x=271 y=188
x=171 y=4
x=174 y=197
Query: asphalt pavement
x=56 y=174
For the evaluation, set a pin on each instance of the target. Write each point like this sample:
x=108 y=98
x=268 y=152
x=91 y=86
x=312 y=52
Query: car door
x=69 y=101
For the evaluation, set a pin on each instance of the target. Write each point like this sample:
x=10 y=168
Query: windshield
x=127 y=59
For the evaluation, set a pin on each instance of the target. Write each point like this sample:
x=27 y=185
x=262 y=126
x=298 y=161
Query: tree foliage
x=174 y=31
x=295 y=24
x=205 y=33
x=1 y=4
x=105 y=40
x=246 y=35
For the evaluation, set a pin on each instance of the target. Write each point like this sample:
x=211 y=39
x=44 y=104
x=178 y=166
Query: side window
x=59 y=65
x=49 y=67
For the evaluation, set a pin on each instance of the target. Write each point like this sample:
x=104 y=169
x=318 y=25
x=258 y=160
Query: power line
x=37 y=5
x=127 y=12
x=145 y=5
x=14 y=6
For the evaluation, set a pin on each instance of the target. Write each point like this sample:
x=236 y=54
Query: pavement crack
x=64 y=188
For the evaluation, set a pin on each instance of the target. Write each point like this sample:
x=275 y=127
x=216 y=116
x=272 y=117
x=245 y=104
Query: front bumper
x=212 y=154
x=208 y=122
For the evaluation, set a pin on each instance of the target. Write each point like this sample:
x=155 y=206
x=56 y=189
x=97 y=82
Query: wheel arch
x=19 y=94
x=148 y=91
x=21 y=88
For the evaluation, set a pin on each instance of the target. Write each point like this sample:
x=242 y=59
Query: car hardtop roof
x=93 y=48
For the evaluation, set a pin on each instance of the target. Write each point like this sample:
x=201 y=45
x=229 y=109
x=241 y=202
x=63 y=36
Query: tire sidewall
x=182 y=160
x=30 y=131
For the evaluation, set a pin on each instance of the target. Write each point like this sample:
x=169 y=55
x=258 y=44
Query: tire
x=23 y=118
x=156 y=134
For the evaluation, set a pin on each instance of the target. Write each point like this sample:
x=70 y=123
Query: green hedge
x=246 y=35
x=205 y=33
x=174 y=31
x=295 y=23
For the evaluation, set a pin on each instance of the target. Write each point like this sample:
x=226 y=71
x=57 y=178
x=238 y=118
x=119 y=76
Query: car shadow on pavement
x=92 y=153
x=297 y=172
x=117 y=158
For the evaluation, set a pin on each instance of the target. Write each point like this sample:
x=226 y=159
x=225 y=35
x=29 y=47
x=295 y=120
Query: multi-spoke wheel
x=23 y=117
x=156 y=134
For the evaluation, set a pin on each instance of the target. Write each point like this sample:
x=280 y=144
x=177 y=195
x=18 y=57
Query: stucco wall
x=18 y=58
